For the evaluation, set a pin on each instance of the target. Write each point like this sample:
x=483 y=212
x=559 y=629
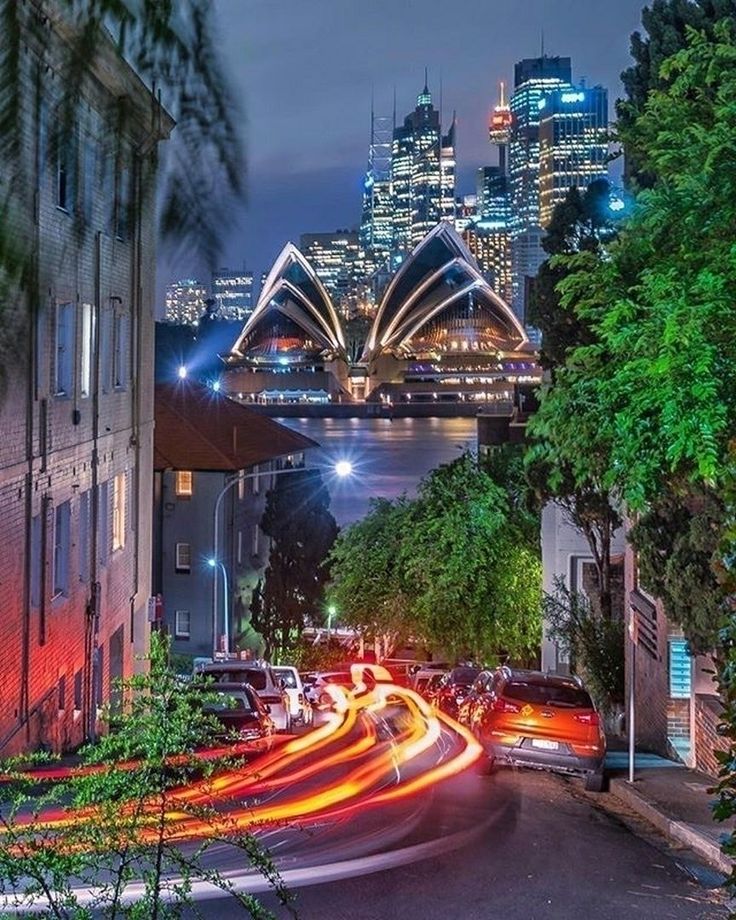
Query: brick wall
x=54 y=448
x=678 y=718
x=708 y=709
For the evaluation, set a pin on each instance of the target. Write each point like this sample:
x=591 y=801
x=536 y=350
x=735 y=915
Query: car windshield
x=230 y=701
x=288 y=677
x=548 y=694
x=256 y=677
x=464 y=676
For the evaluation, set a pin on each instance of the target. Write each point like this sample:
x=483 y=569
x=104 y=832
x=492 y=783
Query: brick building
x=76 y=405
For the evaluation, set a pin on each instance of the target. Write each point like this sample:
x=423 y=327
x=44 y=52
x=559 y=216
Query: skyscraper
x=185 y=301
x=422 y=174
x=573 y=144
x=338 y=260
x=533 y=79
x=376 y=227
x=233 y=293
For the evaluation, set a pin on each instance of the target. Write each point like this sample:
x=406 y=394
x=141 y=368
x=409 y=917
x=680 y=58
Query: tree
x=122 y=816
x=667 y=24
x=452 y=568
x=369 y=585
x=302 y=531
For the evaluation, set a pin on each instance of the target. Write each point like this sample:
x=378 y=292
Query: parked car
x=320 y=700
x=300 y=709
x=241 y=712
x=425 y=682
x=472 y=706
x=261 y=678
x=543 y=721
x=453 y=689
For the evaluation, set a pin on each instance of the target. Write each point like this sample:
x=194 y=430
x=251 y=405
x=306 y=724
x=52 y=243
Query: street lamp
x=331 y=611
x=183 y=372
x=342 y=469
x=213 y=563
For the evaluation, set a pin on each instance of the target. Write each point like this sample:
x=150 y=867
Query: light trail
x=349 y=773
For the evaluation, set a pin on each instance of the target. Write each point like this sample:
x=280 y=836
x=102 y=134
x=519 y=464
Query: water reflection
x=389 y=457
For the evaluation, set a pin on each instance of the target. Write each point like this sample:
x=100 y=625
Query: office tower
x=376 y=228
x=573 y=144
x=185 y=301
x=232 y=292
x=338 y=260
x=422 y=174
x=466 y=212
x=489 y=242
x=534 y=78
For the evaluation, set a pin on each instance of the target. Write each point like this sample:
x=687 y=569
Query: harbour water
x=389 y=457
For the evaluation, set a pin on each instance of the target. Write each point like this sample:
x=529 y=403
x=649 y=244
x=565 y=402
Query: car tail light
x=502 y=705
x=588 y=718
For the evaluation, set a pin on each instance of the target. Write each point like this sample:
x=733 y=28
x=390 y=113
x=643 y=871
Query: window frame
x=119 y=496
x=62 y=542
x=180 y=489
x=179 y=633
x=182 y=566
x=64 y=350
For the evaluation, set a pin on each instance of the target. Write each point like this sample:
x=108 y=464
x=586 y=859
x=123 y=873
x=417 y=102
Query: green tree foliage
x=302 y=530
x=452 y=568
x=678 y=541
x=666 y=24
x=580 y=223
x=595 y=645
x=116 y=814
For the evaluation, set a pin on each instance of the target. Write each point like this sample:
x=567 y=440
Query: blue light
x=616 y=204
x=182 y=372
x=283 y=361
x=541 y=104
x=216 y=386
x=572 y=97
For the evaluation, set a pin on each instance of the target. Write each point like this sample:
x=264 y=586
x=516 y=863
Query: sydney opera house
x=440 y=333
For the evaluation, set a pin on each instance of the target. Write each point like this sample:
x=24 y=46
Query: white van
x=299 y=708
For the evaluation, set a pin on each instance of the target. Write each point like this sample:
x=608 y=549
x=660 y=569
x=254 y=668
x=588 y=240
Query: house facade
x=76 y=405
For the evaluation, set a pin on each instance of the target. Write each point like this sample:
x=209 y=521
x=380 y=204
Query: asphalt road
x=517 y=846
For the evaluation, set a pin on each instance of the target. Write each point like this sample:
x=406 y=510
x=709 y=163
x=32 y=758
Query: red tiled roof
x=197 y=429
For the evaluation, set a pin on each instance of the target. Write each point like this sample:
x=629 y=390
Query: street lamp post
x=213 y=563
x=331 y=611
x=342 y=468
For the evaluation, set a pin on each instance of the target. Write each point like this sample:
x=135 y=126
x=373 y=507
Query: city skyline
x=307 y=94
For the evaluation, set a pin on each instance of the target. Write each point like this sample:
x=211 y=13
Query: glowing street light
x=343 y=468
x=182 y=372
x=331 y=612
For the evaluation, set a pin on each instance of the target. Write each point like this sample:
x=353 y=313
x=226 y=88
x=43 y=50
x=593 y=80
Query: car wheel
x=595 y=782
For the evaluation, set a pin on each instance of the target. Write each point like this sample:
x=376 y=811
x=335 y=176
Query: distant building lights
x=572 y=97
x=616 y=204
x=541 y=104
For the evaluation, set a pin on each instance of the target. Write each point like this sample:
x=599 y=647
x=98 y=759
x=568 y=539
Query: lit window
x=64 y=349
x=183 y=562
x=62 y=538
x=241 y=485
x=118 y=512
x=184 y=483
x=85 y=364
x=120 y=351
x=182 y=621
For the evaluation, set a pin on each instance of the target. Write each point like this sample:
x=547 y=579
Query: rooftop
x=198 y=429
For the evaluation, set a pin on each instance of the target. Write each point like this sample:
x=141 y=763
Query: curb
x=678 y=831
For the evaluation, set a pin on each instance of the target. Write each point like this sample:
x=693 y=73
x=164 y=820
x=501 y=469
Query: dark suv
x=532 y=719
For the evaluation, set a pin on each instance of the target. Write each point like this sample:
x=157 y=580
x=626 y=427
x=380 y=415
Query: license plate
x=545 y=745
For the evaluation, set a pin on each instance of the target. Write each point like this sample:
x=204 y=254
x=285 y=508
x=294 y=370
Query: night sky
x=305 y=70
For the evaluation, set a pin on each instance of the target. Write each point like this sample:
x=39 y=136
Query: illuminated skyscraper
x=533 y=79
x=499 y=129
x=422 y=174
x=573 y=145
x=376 y=227
x=232 y=292
x=338 y=260
x=185 y=301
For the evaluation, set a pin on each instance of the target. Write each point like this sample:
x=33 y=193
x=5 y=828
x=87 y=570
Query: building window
x=103 y=539
x=86 y=346
x=62 y=535
x=64 y=349
x=181 y=624
x=36 y=559
x=120 y=351
x=184 y=484
x=680 y=669
x=183 y=562
x=88 y=179
x=62 y=693
x=122 y=205
x=84 y=533
x=256 y=482
x=106 y=334
x=65 y=172
x=241 y=485
x=78 y=691
x=118 y=512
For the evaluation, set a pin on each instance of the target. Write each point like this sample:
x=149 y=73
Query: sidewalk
x=674 y=799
